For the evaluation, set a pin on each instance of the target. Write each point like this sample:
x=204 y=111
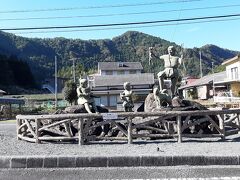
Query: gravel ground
x=10 y=146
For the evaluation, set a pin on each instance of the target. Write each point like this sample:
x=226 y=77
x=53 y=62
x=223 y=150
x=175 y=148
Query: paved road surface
x=9 y=146
x=179 y=172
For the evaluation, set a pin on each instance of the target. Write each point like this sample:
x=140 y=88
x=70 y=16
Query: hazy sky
x=79 y=12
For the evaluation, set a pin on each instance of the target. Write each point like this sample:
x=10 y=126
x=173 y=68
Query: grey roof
x=228 y=61
x=115 y=80
x=207 y=79
x=115 y=66
x=2 y=92
x=11 y=101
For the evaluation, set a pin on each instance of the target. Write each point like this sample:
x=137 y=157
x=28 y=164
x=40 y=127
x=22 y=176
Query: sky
x=21 y=14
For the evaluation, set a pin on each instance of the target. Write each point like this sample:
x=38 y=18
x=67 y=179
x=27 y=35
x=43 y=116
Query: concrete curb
x=114 y=161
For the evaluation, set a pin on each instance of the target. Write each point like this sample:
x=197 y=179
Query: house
x=2 y=92
x=232 y=78
x=188 y=80
x=119 y=68
x=107 y=84
x=205 y=87
x=10 y=102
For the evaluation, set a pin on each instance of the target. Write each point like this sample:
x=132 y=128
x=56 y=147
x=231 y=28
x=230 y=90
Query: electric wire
x=98 y=7
x=175 y=28
x=119 y=24
x=120 y=14
x=143 y=26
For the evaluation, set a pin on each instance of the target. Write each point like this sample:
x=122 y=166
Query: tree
x=22 y=73
x=70 y=92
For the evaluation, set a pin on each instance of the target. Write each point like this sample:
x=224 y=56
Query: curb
x=115 y=161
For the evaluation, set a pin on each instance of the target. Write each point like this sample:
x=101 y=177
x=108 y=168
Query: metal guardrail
x=223 y=99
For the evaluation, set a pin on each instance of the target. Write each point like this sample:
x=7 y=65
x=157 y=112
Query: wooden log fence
x=130 y=126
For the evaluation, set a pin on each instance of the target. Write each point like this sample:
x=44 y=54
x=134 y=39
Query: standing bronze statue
x=171 y=71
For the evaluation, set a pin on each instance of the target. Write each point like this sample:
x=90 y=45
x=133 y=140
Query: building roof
x=216 y=77
x=11 y=101
x=116 y=80
x=232 y=60
x=120 y=66
x=2 y=92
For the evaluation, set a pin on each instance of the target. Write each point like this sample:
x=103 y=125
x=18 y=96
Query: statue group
x=110 y=127
x=86 y=98
x=161 y=95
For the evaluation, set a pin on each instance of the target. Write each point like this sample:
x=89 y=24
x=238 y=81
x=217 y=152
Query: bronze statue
x=85 y=96
x=162 y=98
x=126 y=97
x=171 y=64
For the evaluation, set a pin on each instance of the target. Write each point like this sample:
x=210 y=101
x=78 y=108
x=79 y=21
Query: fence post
x=179 y=129
x=221 y=125
x=37 y=131
x=10 y=110
x=80 y=132
x=20 y=108
x=18 y=121
x=129 y=130
x=238 y=121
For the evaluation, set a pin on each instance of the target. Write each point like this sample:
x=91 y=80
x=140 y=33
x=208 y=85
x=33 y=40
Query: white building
x=232 y=68
x=108 y=83
x=119 y=68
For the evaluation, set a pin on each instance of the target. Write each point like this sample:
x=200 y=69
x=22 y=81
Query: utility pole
x=212 y=67
x=73 y=58
x=150 y=56
x=74 y=72
x=201 y=73
x=183 y=62
x=56 y=86
x=213 y=78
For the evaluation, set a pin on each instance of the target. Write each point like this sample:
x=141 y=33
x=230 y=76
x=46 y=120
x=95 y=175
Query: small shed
x=2 y=92
x=9 y=102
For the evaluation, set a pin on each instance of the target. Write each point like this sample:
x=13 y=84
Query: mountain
x=130 y=46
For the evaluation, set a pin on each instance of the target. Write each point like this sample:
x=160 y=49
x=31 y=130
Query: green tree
x=70 y=92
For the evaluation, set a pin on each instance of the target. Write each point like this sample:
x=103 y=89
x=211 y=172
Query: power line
x=98 y=7
x=144 y=26
x=120 y=24
x=120 y=14
x=175 y=28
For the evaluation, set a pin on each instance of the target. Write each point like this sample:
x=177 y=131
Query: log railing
x=128 y=125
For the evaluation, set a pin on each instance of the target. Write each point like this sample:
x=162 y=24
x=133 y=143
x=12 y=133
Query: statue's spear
x=150 y=56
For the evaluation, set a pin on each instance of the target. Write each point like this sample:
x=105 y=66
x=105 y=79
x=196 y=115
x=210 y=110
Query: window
x=234 y=73
x=104 y=100
x=109 y=72
x=120 y=64
x=113 y=100
x=120 y=72
x=97 y=101
x=132 y=72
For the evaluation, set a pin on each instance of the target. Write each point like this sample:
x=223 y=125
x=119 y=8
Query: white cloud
x=194 y=29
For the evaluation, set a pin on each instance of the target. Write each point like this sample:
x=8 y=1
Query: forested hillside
x=130 y=46
x=15 y=72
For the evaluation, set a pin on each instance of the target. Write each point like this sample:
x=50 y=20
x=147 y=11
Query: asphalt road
x=10 y=146
x=179 y=172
